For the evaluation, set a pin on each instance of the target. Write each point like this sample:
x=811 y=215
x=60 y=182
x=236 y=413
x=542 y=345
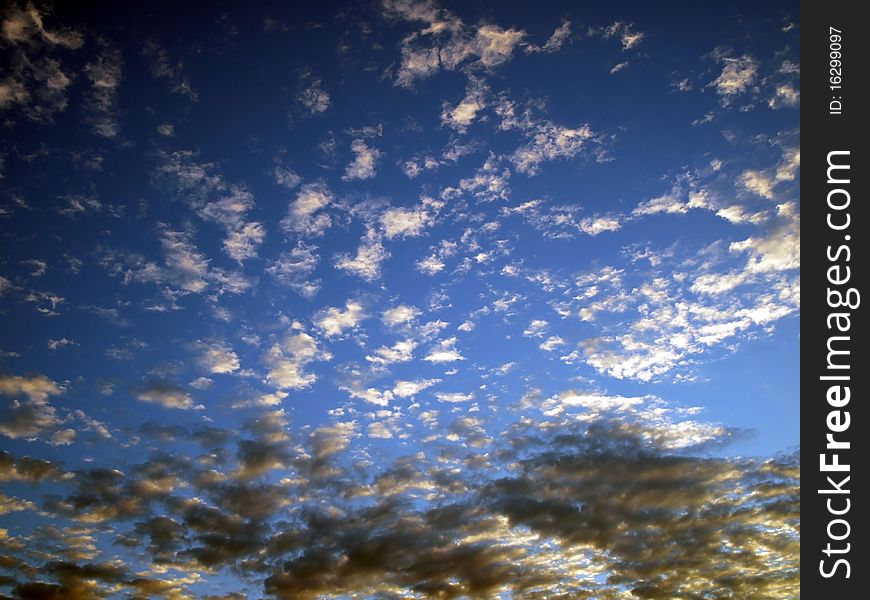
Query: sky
x=397 y=300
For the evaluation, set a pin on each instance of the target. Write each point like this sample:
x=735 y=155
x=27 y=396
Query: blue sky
x=279 y=286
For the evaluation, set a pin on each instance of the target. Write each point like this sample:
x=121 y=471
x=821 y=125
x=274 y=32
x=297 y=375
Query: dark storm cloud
x=25 y=468
x=543 y=510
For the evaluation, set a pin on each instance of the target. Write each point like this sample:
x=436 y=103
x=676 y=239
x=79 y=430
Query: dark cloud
x=25 y=468
x=543 y=511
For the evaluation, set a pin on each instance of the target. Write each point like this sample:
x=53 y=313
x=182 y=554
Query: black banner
x=834 y=420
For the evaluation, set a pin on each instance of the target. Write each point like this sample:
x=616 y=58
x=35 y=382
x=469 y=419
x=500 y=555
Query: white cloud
x=562 y=221
x=37 y=388
x=461 y=116
x=418 y=164
x=444 y=352
x=596 y=225
x=409 y=222
x=332 y=439
x=561 y=35
x=785 y=95
x=549 y=141
x=551 y=343
x=368 y=259
x=217 y=357
x=370 y=395
x=779 y=250
x=35 y=81
x=293 y=268
x=63 y=437
x=624 y=32
x=334 y=321
x=488 y=184
x=172 y=70
x=669 y=203
x=401 y=351
x=598 y=403
x=186 y=267
x=305 y=216
x=407 y=389
x=789 y=165
x=364 y=163
x=536 y=328
x=737 y=214
x=400 y=315
x=454 y=397
x=736 y=77
x=214 y=200
x=287 y=361
x=311 y=94
x=286 y=178
x=618 y=67
x=61 y=343
x=758 y=183
x=445 y=42
x=166 y=129
x=379 y=430
x=167 y=396
x=104 y=74
x=242 y=243
x=430 y=265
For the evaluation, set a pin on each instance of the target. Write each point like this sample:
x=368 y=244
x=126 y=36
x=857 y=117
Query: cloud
x=737 y=75
x=597 y=494
x=419 y=164
x=563 y=221
x=35 y=78
x=287 y=361
x=63 y=437
x=536 y=328
x=551 y=343
x=785 y=95
x=408 y=389
x=410 y=221
x=365 y=161
x=462 y=115
x=430 y=265
x=454 y=397
x=401 y=351
x=560 y=36
x=293 y=268
x=311 y=94
x=624 y=32
x=216 y=357
x=488 y=184
x=400 y=315
x=370 y=395
x=447 y=43
x=28 y=417
x=780 y=248
x=665 y=324
x=757 y=183
x=186 y=267
x=213 y=199
x=25 y=468
x=305 y=216
x=37 y=388
x=285 y=177
x=163 y=66
x=444 y=352
x=366 y=263
x=549 y=141
x=104 y=74
x=167 y=395
x=334 y=321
